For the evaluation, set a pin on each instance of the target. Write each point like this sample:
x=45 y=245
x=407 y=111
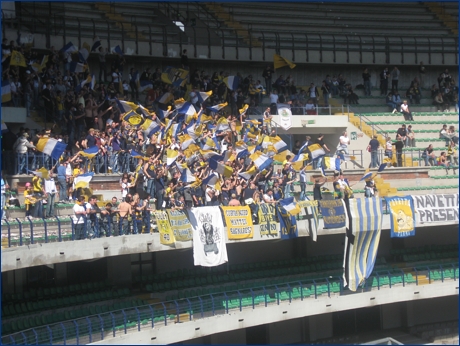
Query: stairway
x=119 y=20
x=447 y=19
x=228 y=19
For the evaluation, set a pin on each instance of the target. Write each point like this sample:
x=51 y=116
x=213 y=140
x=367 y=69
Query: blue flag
x=334 y=213
x=288 y=224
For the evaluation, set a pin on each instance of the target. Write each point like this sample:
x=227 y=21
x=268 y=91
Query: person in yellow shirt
x=38 y=192
x=29 y=199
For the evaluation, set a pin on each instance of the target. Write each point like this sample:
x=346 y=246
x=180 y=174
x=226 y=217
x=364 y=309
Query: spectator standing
x=79 y=218
x=267 y=75
x=317 y=188
x=399 y=145
x=102 y=64
x=367 y=82
x=373 y=148
x=344 y=141
x=20 y=148
x=4 y=187
x=184 y=60
x=384 y=81
x=389 y=149
x=50 y=193
x=326 y=92
x=394 y=78
x=61 y=175
x=421 y=74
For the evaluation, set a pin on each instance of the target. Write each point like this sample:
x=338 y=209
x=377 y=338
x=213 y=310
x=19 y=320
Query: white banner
x=285 y=115
x=209 y=249
x=436 y=208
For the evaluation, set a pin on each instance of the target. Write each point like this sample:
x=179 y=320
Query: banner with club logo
x=402 y=216
x=209 y=248
x=164 y=227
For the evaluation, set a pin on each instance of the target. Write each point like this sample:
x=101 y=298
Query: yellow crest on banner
x=166 y=233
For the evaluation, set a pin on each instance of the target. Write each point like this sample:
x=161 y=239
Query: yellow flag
x=279 y=61
x=17 y=59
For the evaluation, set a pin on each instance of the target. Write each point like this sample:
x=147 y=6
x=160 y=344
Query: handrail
x=141 y=312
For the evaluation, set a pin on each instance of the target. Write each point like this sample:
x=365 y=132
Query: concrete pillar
x=119 y=270
x=234 y=337
x=391 y=315
x=8 y=282
x=320 y=327
x=60 y=273
x=20 y=279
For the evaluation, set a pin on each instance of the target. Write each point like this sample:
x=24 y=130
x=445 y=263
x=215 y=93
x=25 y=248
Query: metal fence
x=127 y=319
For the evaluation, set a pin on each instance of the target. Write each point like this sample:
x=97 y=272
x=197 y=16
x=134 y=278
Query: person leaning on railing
x=79 y=218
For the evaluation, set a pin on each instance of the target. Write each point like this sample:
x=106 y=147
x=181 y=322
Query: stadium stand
x=124 y=284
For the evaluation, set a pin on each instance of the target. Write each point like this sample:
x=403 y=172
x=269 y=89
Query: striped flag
x=171 y=156
x=362 y=243
x=40 y=66
x=277 y=142
x=6 y=91
x=82 y=180
x=222 y=124
x=126 y=106
x=174 y=76
x=261 y=160
x=187 y=176
x=144 y=85
x=185 y=141
x=218 y=107
x=211 y=180
x=249 y=173
x=68 y=49
x=77 y=67
x=150 y=127
x=290 y=205
x=51 y=147
x=96 y=45
x=93 y=82
x=332 y=163
x=203 y=96
x=232 y=82
x=42 y=173
x=4 y=128
x=316 y=151
x=366 y=175
x=220 y=168
x=90 y=152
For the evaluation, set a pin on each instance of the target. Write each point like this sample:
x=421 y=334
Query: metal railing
x=97 y=327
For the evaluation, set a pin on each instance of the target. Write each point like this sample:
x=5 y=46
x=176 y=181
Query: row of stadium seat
x=416 y=122
x=46 y=319
x=13 y=310
x=446 y=176
x=57 y=291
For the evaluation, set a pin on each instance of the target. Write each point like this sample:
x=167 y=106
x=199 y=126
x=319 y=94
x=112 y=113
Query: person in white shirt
x=16 y=92
x=344 y=141
x=406 y=112
x=50 y=191
x=268 y=197
x=273 y=102
x=79 y=218
x=116 y=76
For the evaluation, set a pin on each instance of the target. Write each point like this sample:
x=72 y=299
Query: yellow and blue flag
x=363 y=241
x=51 y=147
x=175 y=76
x=90 y=152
